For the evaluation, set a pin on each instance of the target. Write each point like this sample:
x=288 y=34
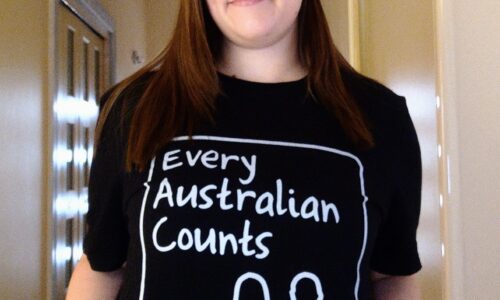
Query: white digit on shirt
x=255 y=276
x=306 y=275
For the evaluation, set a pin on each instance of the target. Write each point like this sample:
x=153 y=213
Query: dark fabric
x=272 y=202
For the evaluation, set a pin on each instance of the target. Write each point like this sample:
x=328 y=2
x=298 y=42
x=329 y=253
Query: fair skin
x=260 y=39
x=88 y=284
x=260 y=45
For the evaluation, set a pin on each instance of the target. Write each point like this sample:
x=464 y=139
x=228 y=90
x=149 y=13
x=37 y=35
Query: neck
x=276 y=63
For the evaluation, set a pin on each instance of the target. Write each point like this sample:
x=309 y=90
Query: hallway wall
x=337 y=14
x=23 y=69
x=471 y=96
x=130 y=21
x=160 y=22
x=141 y=25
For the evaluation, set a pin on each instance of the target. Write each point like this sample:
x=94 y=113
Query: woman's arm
x=88 y=284
x=386 y=287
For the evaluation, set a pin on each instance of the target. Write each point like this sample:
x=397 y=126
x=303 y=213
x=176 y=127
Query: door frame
x=449 y=167
x=96 y=17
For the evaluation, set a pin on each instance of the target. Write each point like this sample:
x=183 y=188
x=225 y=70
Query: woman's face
x=255 y=23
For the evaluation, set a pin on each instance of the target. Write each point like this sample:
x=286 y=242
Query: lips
x=243 y=2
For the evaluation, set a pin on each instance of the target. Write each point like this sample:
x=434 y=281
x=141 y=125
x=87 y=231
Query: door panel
x=80 y=81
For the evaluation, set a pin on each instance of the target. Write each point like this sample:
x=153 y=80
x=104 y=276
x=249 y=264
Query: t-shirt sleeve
x=106 y=238
x=395 y=251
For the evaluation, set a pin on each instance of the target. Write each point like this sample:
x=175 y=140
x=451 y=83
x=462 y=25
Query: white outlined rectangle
x=270 y=143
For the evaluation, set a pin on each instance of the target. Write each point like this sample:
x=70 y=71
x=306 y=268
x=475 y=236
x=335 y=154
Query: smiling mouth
x=243 y=2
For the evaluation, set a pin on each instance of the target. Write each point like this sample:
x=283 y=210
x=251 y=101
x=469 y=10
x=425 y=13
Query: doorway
x=397 y=47
x=394 y=43
x=83 y=68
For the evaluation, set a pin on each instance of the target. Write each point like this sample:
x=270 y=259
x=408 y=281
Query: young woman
x=250 y=161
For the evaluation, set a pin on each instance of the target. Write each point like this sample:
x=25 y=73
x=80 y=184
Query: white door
x=80 y=61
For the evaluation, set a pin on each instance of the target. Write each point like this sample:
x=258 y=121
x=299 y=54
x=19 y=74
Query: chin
x=253 y=37
x=252 y=25
x=256 y=25
x=254 y=42
x=254 y=30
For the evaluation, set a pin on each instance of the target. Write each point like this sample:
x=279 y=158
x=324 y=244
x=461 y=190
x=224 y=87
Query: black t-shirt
x=272 y=202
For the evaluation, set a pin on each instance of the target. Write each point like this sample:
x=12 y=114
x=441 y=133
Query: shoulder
x=385 y=111
x=117 y=106
x=118 y=103
x=130 y=94
x=372 y=96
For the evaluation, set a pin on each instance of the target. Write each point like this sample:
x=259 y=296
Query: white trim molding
x=451 y=222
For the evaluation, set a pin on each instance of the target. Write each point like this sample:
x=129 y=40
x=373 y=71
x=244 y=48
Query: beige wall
x=470 y=39
x=23 y=82
x=337 y=14
x=398 y=50
x=160 y=21
x=141 y=25
x=130 y=22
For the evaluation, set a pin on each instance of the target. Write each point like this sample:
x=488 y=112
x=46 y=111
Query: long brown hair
x=183 y=88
